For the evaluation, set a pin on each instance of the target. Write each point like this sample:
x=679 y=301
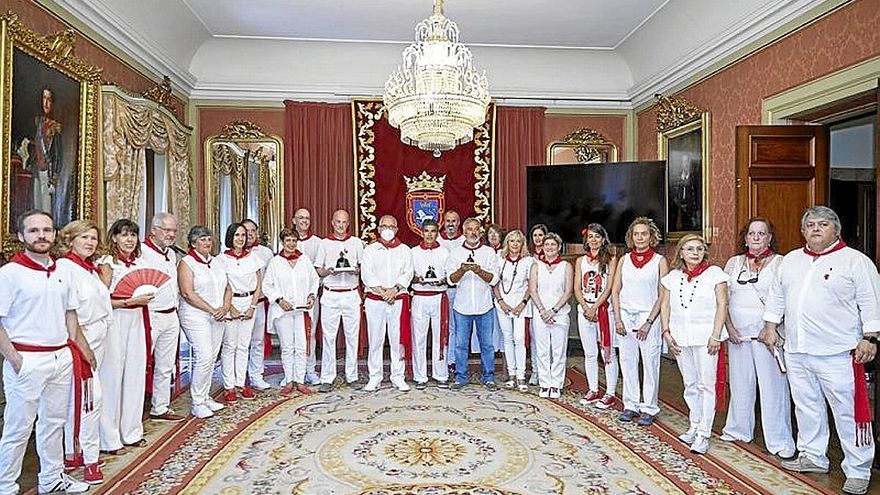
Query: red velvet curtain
x=319 y=161
x=519 y=138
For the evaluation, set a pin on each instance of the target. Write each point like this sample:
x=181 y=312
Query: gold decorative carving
x=56 y=51
x=161 y=94
x=241 y=129
x=675 y=111
x=425 y=182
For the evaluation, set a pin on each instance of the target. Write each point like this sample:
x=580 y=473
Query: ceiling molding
x=410 y=42
x=119 y=33
x=727 y=47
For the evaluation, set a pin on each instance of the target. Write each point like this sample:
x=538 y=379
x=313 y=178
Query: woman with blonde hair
x=693 y=307
x=593 y=274
x=512 y=304
x=78 y=242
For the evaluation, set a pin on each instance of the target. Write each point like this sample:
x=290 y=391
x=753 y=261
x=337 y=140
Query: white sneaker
x=727 y=437
x=700 y=445
x=260 y=383
x=533 y=380
x=689 y=436
x=202 y=411
x=214 y=405
x=312 y=379
x=401 y=385
x=373 y=385
x=554 y=393
x=65 y=484
x=544 y=393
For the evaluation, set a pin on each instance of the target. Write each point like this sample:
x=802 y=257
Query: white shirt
x=474 y=295
x=150 y=258
x=828 y=304
x=119 y=270
x=263 y=253
x=692 y=305
x=311 y=247
x=639 y=289
x=513 y=279
x=386 y=267
x=746 y=302
x=33 y=306
x=435 y=258
x=451 y=244
x=352 y=248
x=293 y=284
x=241 y=273
x=93 y=296
x=593 y=282
x=209 y=282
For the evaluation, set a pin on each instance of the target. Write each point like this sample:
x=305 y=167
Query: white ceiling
x=597 y=24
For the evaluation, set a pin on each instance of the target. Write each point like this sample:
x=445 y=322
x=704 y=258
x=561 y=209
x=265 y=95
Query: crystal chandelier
x=436 y=98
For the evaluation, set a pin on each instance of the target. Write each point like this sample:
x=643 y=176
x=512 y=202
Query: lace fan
x=139 y=282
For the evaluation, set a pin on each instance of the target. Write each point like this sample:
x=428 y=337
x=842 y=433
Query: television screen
x=568 y=197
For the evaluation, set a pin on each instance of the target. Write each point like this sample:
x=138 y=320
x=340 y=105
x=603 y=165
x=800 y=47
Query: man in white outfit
x=256 y=359
x=39 y=338
x=165 y=325
x=430 y=308
x=828 y=296
x=309 y=245
x=386 y=272
x=451 y=238
x=339 y=265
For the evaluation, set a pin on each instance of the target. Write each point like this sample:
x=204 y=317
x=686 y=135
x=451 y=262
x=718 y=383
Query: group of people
x=83 y=341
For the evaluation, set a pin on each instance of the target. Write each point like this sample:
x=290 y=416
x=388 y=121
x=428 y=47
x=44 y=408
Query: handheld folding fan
x=139 y=282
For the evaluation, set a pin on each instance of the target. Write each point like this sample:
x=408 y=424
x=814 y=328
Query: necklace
x=681 y=292
x=512 y=277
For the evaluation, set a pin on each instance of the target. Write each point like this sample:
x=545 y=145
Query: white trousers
x=311 y=359
x=589 y=333
x=256 y=359
x=753 y=367
x=384 y=318
x=89 y=426
x=450 y=346
x=205 y=335
x=698 y=372
x=291 y=330
x=123 y=378
x=425 y=314
x=165 y=340
x=635 y=397
x=815 y=380
x=236 y=346
x=39 y=391
x=513 y=331
x=552 y=346
x=339 y=307
x=533 y=347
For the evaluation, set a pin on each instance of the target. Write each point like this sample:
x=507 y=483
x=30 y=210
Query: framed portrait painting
x=686 y=151
x=48 y=128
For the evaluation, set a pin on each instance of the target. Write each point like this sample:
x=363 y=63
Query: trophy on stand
x=342 y=264
x=469 y=262
x=430 y=275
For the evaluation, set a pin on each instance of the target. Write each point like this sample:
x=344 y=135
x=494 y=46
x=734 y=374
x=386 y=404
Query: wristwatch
x=870 y=338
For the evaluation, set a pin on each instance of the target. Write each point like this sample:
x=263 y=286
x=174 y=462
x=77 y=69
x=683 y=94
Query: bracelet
x=664 y=332
x=712 y=337
x=525 y=301
x=649 y=321
x=555 y=310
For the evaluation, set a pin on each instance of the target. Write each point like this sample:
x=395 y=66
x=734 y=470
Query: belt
x=428 y=293
x=340 y=290
x=164 y=311
x=243 y=294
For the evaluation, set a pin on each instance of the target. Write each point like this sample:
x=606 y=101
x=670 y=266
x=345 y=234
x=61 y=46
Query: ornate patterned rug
x=434 y=442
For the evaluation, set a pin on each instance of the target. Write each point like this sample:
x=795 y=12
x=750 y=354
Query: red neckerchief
x=539 y=252
x=344 y=238
x=292 y=257
x=840 y=245
x=763 y=254
x=150 y=244
x=307 y=236
x=28 y=262
x=692 y=274
x=231 y=253
x=474 y=249
x=557 y=261
x=88 y=265
x=497 y=249
x=393 y=243
x=447 y=238
x=641 y=259
x=128 y=262
x=426 y=247
x=196 y=256
x=591 y=257
x=508 y=258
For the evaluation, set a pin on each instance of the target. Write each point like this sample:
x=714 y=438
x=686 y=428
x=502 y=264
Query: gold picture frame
x=40 y=139
x=585 y=146
x=683 y=141
x=240 y=144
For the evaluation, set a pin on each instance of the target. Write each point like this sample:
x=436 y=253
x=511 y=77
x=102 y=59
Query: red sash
x=148 y=340
x=721 y=380
x=444 y=316
x=861 y=405
x=267 y=339
x=307 y=321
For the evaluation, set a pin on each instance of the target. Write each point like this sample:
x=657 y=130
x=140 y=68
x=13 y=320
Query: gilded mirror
x=583 y=146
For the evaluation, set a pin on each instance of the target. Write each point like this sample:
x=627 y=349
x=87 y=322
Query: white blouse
x=692 y=305
x=639 y=291
x=93 y=295
x=209 y=282
x=513 y=280
x=746 y=303
x=294 y=284
x=241 y=272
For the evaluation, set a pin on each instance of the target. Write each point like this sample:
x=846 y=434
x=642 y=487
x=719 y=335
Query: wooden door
x=780 y=171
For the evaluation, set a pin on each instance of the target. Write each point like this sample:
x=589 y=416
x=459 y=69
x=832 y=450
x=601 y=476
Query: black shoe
x=456 y=386
x=421 y=385
x=490 y=386
x=355 y=385
x=325 y=387
x=443 y=384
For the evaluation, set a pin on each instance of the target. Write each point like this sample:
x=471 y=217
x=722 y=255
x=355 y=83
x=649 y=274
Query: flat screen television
x=568 y=197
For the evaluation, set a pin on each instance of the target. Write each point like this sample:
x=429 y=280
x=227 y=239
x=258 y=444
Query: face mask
x=387 y=235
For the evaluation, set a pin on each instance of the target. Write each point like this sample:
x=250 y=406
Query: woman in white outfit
x=291 y=285
x=78 y=241
x=550 y=285
x=593 y=274
x=536 y=237
x=512 y=305
x=634 y=296
x=123 y=373
x=693 y=302
x=205 y=299
x=752 y=366
x=244 y=272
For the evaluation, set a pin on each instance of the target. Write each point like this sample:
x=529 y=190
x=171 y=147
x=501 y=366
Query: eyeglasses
x=741 y=281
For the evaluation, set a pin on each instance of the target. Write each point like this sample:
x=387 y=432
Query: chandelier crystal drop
x=436 y=98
